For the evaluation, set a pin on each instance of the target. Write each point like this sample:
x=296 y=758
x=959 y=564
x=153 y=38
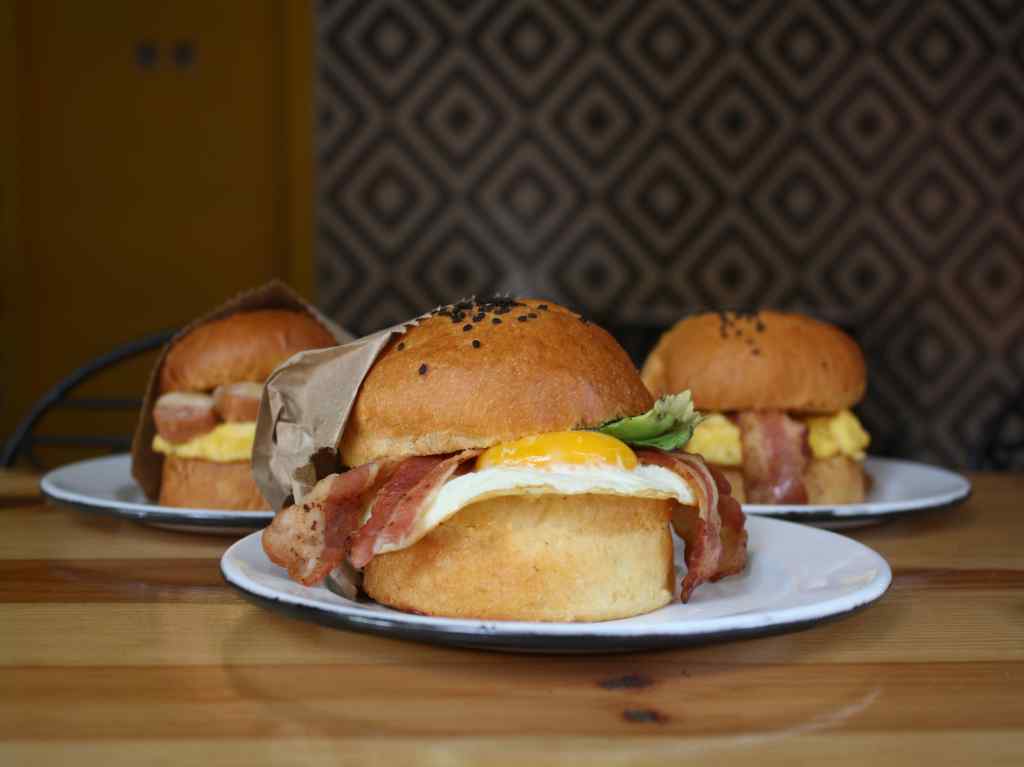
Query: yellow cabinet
x=160 y=163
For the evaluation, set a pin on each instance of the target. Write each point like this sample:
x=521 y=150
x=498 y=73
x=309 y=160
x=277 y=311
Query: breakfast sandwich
x=208 y=395
x=776 y=391
x=503 y=460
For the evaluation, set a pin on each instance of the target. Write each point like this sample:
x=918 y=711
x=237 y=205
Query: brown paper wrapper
x=305 y=406
x=147 y=464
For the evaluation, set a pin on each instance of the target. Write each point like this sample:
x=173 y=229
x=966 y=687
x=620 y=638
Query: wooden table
x=120 y=644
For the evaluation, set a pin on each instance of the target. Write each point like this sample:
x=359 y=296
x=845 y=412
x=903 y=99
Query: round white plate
x=896 y=488
x=797 y=576
x=105 y=485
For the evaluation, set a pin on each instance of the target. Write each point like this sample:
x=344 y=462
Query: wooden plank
x=45 y=532
x=483 y=699
x=113 y=580
x=756 y=749
x=18 y=488
x=980 y=533
x=908 y=625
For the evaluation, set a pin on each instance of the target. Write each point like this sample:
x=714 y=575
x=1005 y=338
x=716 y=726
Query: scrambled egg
x=839 y=434
x=718 y=439
x=227 y=442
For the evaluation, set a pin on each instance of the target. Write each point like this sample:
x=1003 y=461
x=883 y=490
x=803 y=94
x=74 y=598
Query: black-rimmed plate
x=797 y=576
x=105 y=486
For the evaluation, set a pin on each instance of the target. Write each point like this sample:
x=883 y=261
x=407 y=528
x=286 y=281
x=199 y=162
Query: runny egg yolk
x=583 y=448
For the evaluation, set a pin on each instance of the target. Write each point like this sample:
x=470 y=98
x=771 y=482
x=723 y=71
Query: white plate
x=797 y=576
x=105 y=485
x=896 y=488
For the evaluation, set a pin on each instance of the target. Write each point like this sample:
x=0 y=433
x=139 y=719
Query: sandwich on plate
x=776 y=391
x=209 y=394
x=504 y=460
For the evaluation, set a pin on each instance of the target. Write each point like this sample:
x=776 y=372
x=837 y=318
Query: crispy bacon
x=412 y=487
x=733 y=531
x=775 y=455
x=311 y=538
x=713 y=550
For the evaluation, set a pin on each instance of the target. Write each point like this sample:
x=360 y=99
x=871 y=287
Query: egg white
x=465 y=490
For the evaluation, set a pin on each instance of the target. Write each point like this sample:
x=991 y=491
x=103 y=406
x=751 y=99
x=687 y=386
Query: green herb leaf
x=667 y=426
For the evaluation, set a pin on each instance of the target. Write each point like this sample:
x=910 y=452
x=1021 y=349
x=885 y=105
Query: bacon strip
x=311 y=538
x=412 y=488
x=712 y=550
x=775 y=455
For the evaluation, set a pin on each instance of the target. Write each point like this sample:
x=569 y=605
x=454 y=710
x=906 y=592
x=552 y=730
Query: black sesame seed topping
x=522 y=318
x=479 y=317
x=496 y=320
x=423 y=369
x=466 y=328
x=476 y=343
x=542 y=307
x=401 y=345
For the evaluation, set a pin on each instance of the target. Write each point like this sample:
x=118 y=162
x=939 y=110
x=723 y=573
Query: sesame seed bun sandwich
x=502 y=459
x=776 y=390
x=194 y=443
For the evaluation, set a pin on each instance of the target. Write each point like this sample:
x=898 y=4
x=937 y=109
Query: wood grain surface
x=121 y=644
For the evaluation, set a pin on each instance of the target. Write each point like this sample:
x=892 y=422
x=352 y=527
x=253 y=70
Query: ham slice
x=412 y=488
x=775 y=455
x=311 y=538
x=716 y=541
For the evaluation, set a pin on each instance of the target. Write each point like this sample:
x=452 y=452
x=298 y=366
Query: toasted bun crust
x=835 y=480
x=246 y=346
x=828 y=480
x=198 y=484
x=540 y=558
x=549 y=372
x=764 y=361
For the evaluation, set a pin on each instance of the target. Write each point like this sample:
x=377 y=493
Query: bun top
x=245 y=346
x=477 y=373
x=763 y=361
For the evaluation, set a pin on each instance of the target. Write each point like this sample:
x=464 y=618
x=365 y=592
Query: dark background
x=642 y=160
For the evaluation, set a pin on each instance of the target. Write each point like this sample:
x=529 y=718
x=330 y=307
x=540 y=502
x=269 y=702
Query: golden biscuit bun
x=535 y=558
x=763 y=361
x=198 y=484
x=838 y=479
x=551 y=371
x=246 y=346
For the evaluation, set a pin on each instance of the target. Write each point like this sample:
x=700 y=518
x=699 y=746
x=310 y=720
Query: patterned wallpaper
x=640 y=160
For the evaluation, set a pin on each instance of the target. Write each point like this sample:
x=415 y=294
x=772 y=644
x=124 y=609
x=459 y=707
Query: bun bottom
x=197 y=484
x=828 y=480
x=535 y=558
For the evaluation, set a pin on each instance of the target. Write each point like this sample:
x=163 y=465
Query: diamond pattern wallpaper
x=642 y=160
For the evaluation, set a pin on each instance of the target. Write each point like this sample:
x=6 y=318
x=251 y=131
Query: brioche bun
x=535 y=558
x=763 y=361
x=441 y=387
x=245 y=346
x=198 y=484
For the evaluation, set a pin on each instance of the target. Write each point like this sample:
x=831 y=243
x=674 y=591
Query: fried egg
x=559 y=463
x=225 y=443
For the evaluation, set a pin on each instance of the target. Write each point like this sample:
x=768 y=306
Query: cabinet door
x=152 y=174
